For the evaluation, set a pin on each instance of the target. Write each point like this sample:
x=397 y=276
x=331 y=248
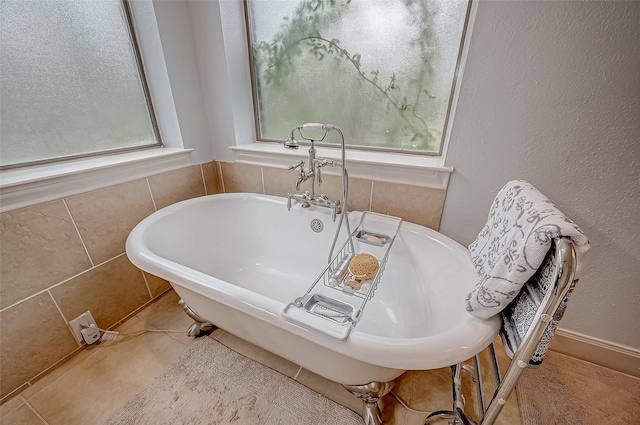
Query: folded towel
x=519 y=314
x=510 y=248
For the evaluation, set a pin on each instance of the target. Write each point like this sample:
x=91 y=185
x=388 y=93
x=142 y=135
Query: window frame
x=462 y=48
x=30 y=185
x=145 y=89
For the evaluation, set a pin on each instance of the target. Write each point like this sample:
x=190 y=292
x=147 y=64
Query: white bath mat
x=212 y=384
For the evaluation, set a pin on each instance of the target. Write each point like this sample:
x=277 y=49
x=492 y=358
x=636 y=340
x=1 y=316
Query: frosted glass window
x=70 y=84
x=381 y=70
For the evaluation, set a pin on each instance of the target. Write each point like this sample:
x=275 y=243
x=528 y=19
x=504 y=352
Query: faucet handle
x=327 y=162
x=299 y=164
x=319 y=163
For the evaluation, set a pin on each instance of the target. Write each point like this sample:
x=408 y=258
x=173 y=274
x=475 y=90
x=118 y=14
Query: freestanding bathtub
x=238 y=259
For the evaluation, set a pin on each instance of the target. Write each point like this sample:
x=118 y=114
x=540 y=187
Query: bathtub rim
x=417 y=353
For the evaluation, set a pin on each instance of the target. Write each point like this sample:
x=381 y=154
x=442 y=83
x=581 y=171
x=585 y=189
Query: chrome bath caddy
x=329 y=308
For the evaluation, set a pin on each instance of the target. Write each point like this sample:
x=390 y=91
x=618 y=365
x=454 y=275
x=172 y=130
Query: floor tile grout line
x=15 y=394
x=73 y=221
x=237 y=349
x=178 y=340
x=33 y=409
x=25 y=400
x=78 y=350
x=325 y=394
x=60 y=283
x=155 y=208
x=68 y=358
x=30 y=383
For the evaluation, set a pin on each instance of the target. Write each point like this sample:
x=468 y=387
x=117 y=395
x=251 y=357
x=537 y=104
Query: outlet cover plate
x=76 y=324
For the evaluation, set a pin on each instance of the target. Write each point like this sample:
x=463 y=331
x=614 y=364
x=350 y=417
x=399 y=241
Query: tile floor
x=90 y=387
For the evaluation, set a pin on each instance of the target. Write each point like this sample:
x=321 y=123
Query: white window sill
x=36 y=184
x=416 y=170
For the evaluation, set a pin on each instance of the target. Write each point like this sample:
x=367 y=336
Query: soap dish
x=372 y=238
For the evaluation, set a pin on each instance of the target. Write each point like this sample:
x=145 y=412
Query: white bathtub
x=239 y=259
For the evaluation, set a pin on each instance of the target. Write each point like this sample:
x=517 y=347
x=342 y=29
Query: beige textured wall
x=551 y=95
x=61 y=258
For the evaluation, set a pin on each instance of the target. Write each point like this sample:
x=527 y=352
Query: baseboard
x=594 y=350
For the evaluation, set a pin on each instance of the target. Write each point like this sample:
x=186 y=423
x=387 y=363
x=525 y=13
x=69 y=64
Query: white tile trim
x=415 y=170
x=37 y=184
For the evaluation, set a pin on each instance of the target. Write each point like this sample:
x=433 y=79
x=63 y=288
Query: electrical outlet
x=85 y=319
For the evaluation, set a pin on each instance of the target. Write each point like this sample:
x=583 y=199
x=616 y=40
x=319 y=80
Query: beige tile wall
x=63 y=257
x=415 y=204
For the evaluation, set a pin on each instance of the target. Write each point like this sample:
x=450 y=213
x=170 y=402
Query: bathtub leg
x=370 y=394
x=200 y=326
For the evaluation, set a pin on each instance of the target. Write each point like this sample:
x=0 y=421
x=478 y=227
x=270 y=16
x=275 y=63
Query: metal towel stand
x=565 y=266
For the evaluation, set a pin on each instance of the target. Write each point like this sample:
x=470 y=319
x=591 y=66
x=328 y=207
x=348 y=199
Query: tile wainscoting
x=63 y=257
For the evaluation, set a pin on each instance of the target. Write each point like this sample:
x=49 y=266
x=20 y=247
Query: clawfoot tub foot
x=200 y=326
x=370 y=394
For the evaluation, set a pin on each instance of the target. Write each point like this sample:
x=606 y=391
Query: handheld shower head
x=291 y=143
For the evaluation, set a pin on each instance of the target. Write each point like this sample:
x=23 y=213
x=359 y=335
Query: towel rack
x=563 y=281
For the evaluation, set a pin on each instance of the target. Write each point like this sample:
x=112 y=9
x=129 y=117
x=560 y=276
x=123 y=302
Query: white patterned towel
x=512 y=245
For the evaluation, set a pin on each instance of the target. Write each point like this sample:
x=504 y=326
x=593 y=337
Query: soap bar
x=374 y=239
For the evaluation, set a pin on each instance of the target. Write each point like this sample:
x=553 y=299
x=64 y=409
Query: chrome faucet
x=316 y=165
x=313 y=173
x=302 y=176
